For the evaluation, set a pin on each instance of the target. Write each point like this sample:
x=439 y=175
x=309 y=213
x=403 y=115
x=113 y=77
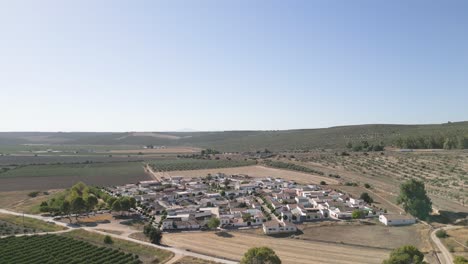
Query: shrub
x=441 y=233
x=33 y=194
x=108 y=240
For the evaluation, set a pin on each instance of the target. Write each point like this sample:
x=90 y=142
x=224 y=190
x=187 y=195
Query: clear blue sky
x=93 y=65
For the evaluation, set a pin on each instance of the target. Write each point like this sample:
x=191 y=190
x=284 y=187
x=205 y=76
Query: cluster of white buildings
x=238 y=201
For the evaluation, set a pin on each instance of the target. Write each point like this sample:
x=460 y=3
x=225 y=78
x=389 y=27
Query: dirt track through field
x=289 y=250
x=256 y=171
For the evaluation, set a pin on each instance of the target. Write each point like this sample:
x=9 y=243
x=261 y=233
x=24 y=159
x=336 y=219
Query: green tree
x=78 y=205
x=414 y=199
x=91 y=202
x=44 y=207
x=108 y=240
x=260 y=255
x=460 y=260
x=441 y=233
x=110 y=201
x=357 y=214
x=405 y=255
x=117 y=206
x=125 y=203
x=366 y=197
x=65 y=208
x=213 y=223
x=154 y=234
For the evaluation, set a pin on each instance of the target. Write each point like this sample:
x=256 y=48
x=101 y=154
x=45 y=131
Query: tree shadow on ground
x=448 y=217
x=224 y=234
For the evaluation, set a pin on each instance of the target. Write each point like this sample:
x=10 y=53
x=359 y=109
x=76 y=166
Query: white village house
x=396 y=219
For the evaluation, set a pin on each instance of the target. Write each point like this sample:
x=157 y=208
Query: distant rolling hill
x=302 y=139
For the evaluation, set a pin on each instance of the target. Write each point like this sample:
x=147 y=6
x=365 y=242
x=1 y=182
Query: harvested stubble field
x=44 y=177
x=256 y=171
x=289 y=250
x=370 y=235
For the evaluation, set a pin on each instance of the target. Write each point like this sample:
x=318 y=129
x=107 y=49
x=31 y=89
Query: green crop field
x=45 y=177
x=196 y=164
x=58 y=249
x=147 y=254
x=93 y=169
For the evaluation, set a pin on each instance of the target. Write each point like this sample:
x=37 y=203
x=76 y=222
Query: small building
x=396 y=219
x=275 y=227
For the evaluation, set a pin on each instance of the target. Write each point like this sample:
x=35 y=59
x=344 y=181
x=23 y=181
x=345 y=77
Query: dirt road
x=444 y=255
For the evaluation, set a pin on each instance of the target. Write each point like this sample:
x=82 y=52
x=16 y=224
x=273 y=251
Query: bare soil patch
x=288 y=249
x=370 y=235
x=256 y=171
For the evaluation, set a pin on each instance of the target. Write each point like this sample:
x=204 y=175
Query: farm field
x=457 y=241
x=29 y=159
x=445 y=173
x=289 y=250
x=58 y=249
x=368 y=235
x=167 y=150
x=255 y=171
x=29 y=223
x=20 y=201
x=44 y=177
x=197 y=164
x=146 y=254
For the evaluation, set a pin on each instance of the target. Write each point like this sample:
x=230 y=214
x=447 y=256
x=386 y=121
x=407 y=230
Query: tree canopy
x=154 y=234
x=460 y=260
x=260 y=255
x=405 y=255
x=213 y=223
x=366 y=197
x=414 y=199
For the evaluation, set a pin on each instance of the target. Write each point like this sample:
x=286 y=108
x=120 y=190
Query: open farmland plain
x=44 y=177
x=289 y=250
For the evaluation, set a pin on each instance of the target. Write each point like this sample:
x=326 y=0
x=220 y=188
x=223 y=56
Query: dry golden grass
x=457 y=241
x=289 y=250
x=256 y=171
x=191 y=260
x=95 y=218
x=19 y=201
